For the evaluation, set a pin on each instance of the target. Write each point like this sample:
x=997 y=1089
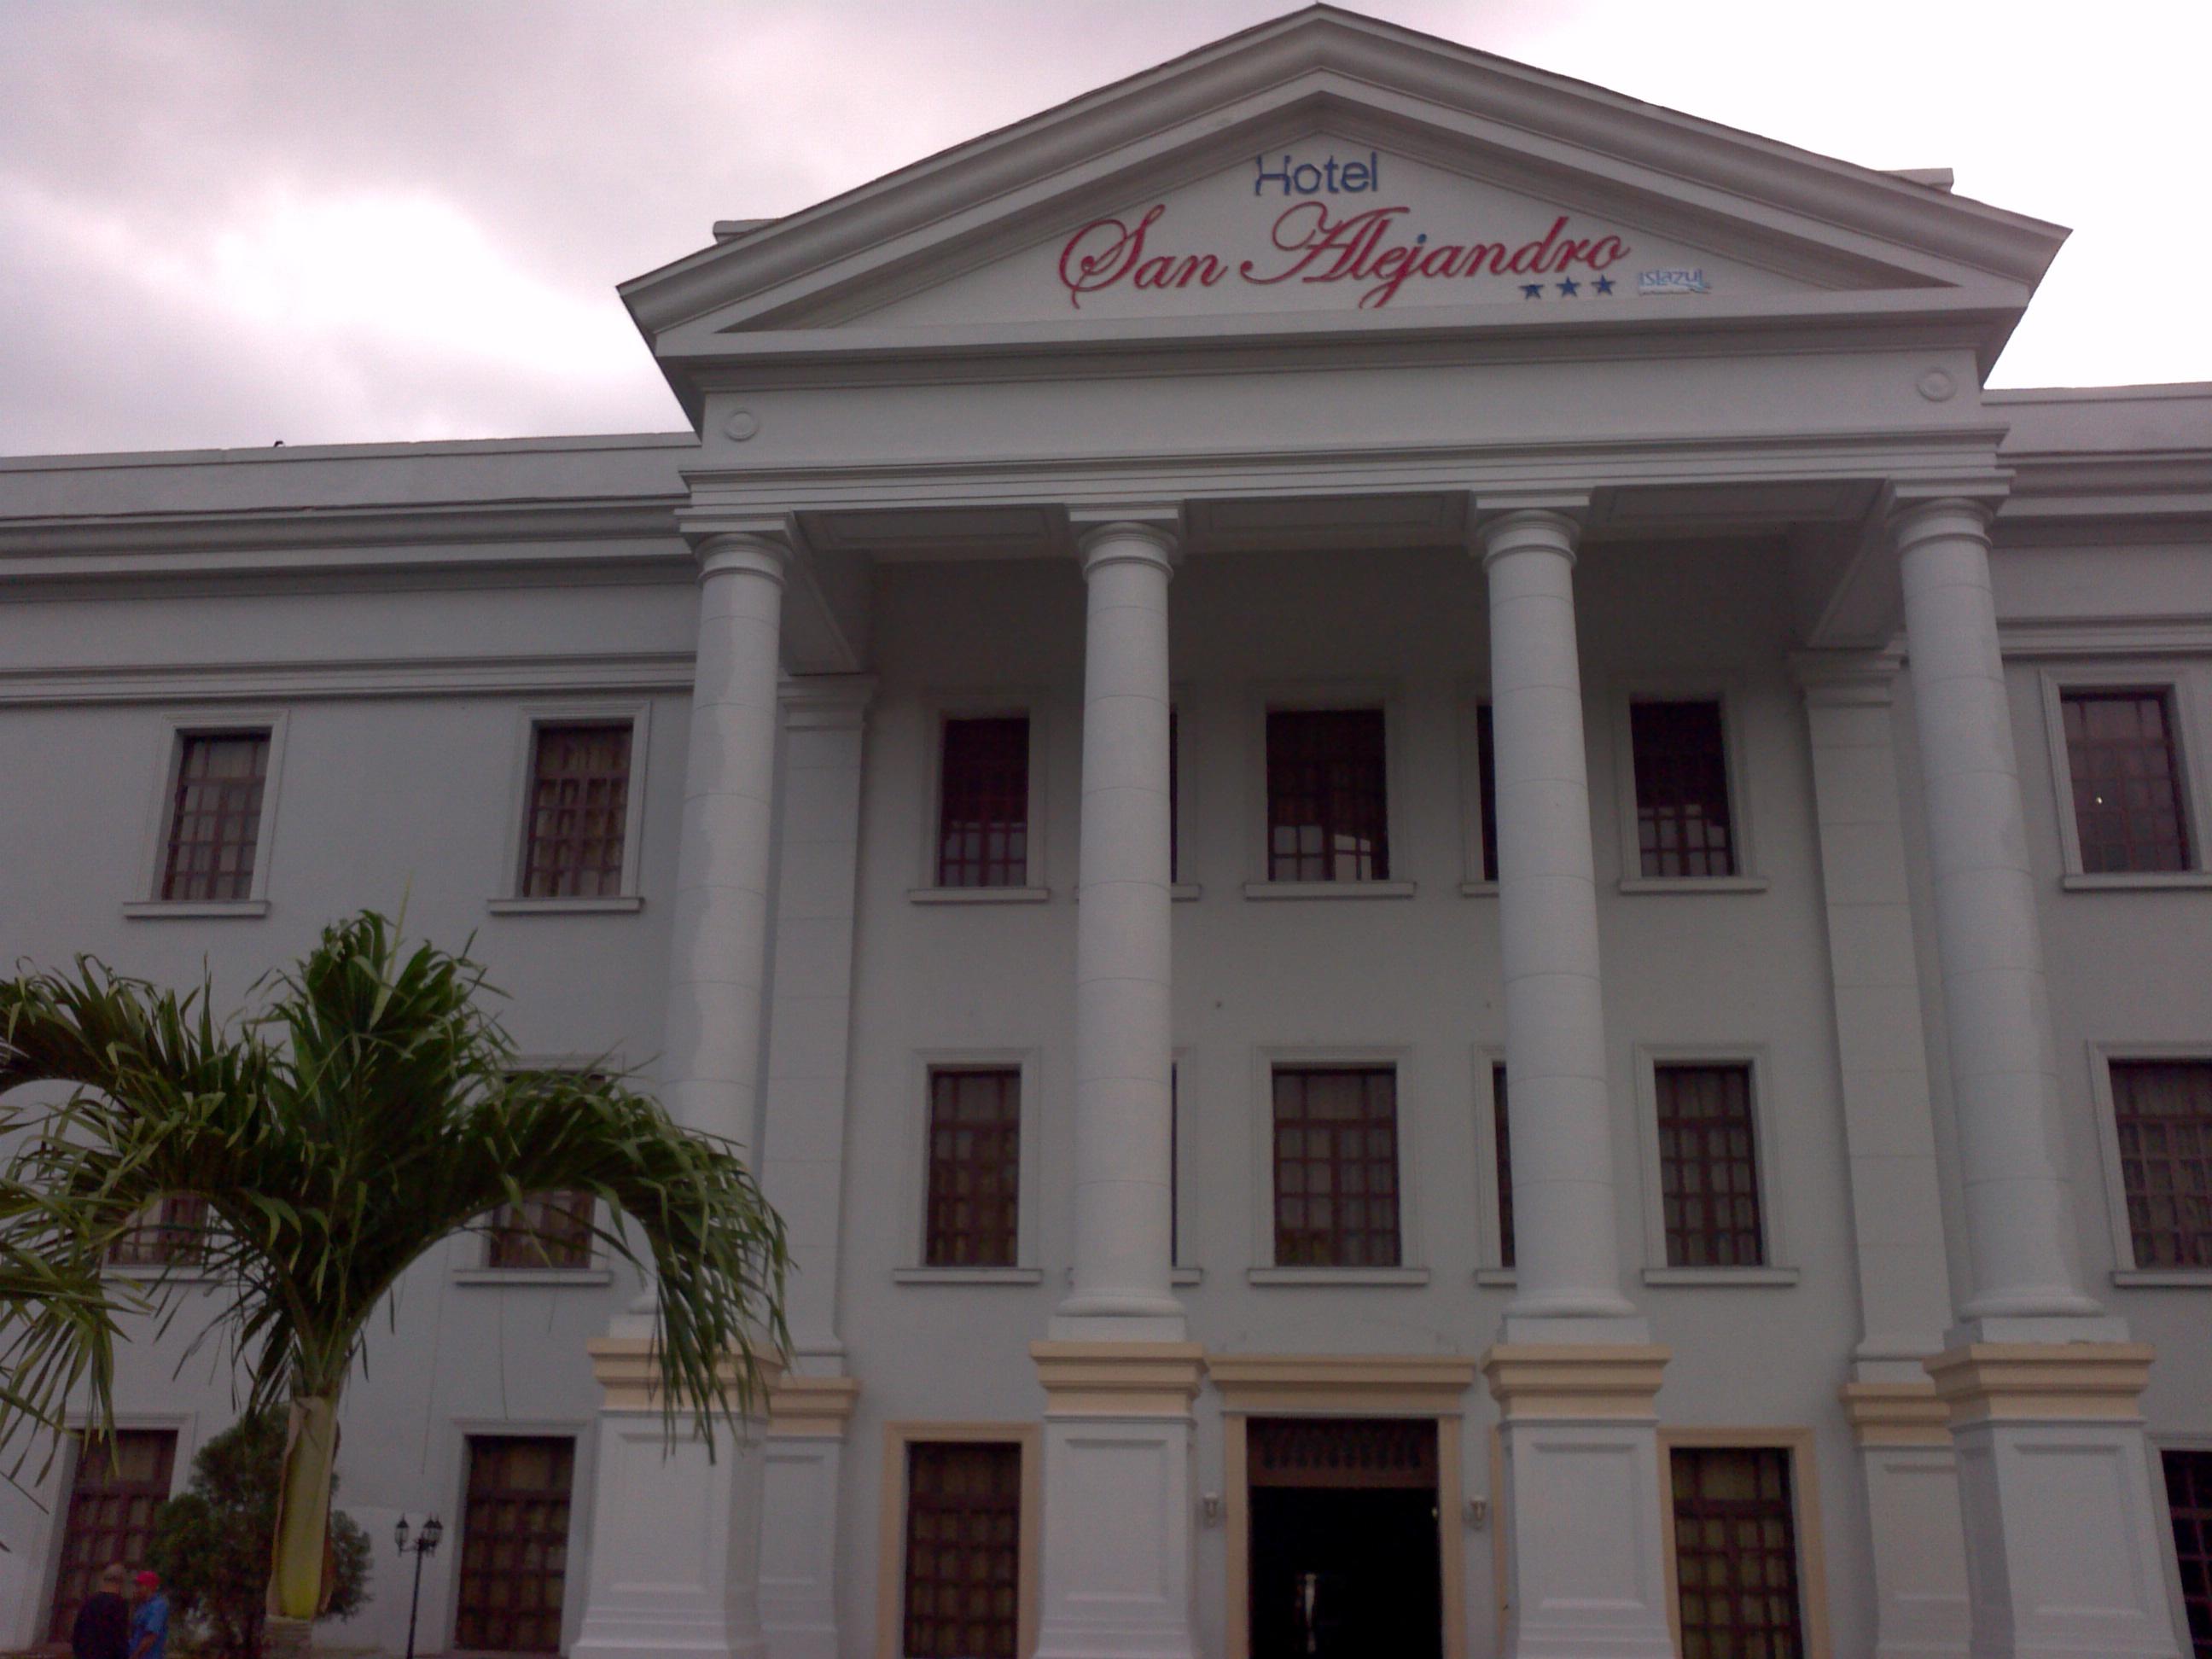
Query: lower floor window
x=1735 y=1554
x=2189 y=1501
x=514 y=1543
x=963 y=1537
x=118 y=1484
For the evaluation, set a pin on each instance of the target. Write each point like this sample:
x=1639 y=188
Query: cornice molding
x=295 y=682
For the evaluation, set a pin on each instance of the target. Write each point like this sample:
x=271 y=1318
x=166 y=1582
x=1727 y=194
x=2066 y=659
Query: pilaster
x=803 y=1461
x=1919 y=1543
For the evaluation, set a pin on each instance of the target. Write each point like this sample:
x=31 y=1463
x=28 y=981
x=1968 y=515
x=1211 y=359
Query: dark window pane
x=2189 y=1504
x=1336 y=1167
x=171 y=1231
x=1736 y=1553
x=1328 y=800
x=975 y=1168
x=1504 y=1165
x=1708 y=1167
x=579 y=811
x=963 y=1535
x=1683 y=826
x=550 y=1230
x=2162 y=1116
x=1486 y=768
x=2127 y=786
x=984 y=803
x=215 y=816
x=514 y=1544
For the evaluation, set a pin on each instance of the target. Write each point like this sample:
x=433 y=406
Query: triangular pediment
x=1327 y=164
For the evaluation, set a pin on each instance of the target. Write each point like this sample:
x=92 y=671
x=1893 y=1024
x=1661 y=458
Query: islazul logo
x=1672 y=281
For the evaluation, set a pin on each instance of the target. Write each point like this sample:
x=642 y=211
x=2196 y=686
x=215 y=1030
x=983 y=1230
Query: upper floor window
x=2124 y=762
x=983 y=802
x=1336 y=1167
x=1709 y=1167
x=972 y=1206
x=215 y=816
x=2162 y=1117
x=1684 y=826
x=576 y=825
x=1486 y=775
x=1504 y=1143
x=1327 y=795
x=549 y=1230
x=168 y=1232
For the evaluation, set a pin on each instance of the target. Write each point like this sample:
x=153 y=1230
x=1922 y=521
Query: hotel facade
x=1460 y=912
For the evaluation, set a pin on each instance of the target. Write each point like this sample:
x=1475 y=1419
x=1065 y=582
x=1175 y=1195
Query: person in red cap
x=149 y=1625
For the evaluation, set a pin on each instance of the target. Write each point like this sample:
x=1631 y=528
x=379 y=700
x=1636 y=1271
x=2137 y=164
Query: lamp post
x=425 y=1544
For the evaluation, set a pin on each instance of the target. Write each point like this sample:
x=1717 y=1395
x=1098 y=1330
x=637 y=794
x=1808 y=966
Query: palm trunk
x=303 y=1516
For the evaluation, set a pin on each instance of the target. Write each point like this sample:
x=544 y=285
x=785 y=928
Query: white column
x=675 y=1532
x=1577 y=1383
x=1124 y=1038
x=1119 y=1379
x=802 y=1156
x=2064 y=1554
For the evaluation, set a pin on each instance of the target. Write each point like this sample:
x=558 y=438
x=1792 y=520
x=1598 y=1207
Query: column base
x=675 y=1561
x=803 y=1458
x=1904 y=1435
x=2064 y=1554
x=1119 y=1541
x=1585 y=1559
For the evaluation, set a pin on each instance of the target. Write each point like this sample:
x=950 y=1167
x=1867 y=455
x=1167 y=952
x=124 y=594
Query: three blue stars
x=1568 y=286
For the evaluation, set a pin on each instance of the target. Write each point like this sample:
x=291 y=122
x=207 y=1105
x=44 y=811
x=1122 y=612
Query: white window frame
x=1183 y=1070
x=468 y=1266
x=937 y=709
x=2124 y=1268
x=175 y=726
x=1730 y=695
x=1302 y=696
x=1779 y=1267
x=2185 y=684
x=529 y=720
x=1467 y=711
x=1489 y=1213
x=1412 y=1258
x=916 y=1270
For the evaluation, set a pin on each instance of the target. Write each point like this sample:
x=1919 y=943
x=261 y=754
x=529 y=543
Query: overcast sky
x=322 y=221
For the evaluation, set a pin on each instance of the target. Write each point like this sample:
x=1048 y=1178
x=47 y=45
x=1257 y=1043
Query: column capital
x=825 y=701
x=1916 y=513
x=1848 y=678
x=763 y=542
x=1149 y=531
x=1531 y=522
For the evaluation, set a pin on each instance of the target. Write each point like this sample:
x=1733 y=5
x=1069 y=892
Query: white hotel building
x=1461 y=914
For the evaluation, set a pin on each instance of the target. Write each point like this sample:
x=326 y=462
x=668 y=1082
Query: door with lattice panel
x=514 y=1544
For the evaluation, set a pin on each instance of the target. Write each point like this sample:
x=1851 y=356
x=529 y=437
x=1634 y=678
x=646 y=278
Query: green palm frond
x=369 y=1111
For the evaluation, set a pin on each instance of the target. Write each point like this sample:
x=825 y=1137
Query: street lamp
x=425 y=1544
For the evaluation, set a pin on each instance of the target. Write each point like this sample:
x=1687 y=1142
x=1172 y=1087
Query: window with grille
x=1735 y=1554
x=117 y=1486
x=1175 y=1165
x=1709 y=1167
x=1683 y=823
x=1175 y=795
x=975 y=1167
x=2189 y=1504
x=575 y=835
x=1504 y=1144
x=1327 y=795
x=1336 y=1167
x=215 y=816
x=550 y=1230
x=1485 y=782
x=984 y=803
x=168 y=1232
x=2162 y=1117
x=963 y=1550
x=2122 y=756
x=514 y=1544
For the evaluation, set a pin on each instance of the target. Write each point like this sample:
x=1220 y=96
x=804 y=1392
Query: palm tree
x=369 y=1111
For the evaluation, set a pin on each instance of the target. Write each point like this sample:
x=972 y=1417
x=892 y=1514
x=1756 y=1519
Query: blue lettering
x=1259 y=185
x=1304 y=170
x=1328 y=177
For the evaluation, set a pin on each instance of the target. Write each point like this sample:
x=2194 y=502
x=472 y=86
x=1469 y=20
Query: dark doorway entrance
x=1344 y=1561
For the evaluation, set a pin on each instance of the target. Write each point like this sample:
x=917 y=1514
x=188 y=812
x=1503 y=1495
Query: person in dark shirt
x=102 y=1629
